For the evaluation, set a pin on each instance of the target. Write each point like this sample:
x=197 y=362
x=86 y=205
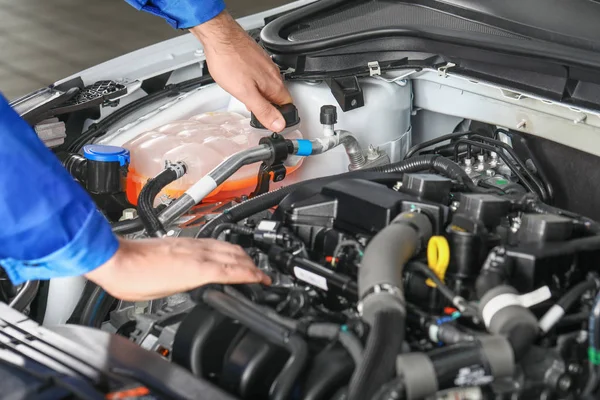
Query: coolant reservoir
x=202 y=142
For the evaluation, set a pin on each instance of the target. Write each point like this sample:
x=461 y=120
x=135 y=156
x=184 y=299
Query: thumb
x=265 y=112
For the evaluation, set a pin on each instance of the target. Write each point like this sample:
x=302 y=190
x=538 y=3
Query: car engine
x=429 y=231
x=445 y=274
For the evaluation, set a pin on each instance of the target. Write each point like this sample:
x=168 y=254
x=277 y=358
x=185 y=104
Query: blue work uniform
x=49 y=226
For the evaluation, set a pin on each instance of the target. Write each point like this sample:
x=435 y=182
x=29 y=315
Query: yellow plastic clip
x=438 y=257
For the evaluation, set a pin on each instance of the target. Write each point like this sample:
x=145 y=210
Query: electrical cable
x=233 y=228
x=536 y=164
x=564 y=304
x=422 y=146
x=458 y=301
x=593 y=351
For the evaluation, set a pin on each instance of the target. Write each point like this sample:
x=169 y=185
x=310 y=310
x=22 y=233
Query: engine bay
x=425 y=230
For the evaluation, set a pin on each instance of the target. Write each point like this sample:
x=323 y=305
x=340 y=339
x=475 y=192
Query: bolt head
x=129 y=213
x=565 y=382
x=574 y=368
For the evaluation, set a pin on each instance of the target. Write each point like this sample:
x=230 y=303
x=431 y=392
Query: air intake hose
x=474 y=363
x=503 y=313
x=382 y=300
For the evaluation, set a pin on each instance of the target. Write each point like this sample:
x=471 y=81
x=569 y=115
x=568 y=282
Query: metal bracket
x=374 y=68
x=347 y=92
x=443 y=70
x=273 y=168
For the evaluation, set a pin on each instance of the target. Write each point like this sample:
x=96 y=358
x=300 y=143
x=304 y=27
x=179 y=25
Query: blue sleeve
x=181 y=14
x=50 y=227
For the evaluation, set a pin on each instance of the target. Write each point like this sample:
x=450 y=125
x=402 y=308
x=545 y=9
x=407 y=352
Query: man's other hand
x=241 y=67
x=155 y=268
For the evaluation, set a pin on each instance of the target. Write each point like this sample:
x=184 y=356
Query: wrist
x=109 y=275
x=222 y=29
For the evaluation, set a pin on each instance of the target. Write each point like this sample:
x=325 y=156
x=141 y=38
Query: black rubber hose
x=538 y=168
x=256 y=321
x=151 y=189
x=574 y=294
x=379 y=357
x=380 y=284
x=263 y=202
x=425 y=270
x=564 y=304
x=422 y=146
x=133 y=225
x=234 y=228
x=25 y=295
x=393 y=390
x=297 y=265
x=97 y=308
x=128 y=226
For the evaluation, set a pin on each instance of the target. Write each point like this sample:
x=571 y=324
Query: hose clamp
x=384 y=288
x=179 y=167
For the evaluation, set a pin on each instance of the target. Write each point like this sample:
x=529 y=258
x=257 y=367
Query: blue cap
x=99 y=152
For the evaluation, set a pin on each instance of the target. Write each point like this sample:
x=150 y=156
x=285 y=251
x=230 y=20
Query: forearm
x=51 y=227
x=218 y=32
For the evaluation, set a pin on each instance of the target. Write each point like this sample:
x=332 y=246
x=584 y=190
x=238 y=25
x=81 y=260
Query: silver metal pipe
x=25 y=295
x=212 y=180
x=345 y=138
x=231 y=165
x=353 y=150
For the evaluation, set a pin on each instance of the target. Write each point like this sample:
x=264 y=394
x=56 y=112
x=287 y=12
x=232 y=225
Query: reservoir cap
x=289 y=112
x=102 y=153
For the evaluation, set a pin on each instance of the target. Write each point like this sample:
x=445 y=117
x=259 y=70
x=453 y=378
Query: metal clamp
x=443 y=70
x=374 y=68
x=273 y=166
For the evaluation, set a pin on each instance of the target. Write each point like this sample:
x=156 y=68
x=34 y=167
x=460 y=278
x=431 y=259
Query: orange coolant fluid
x=202 y=142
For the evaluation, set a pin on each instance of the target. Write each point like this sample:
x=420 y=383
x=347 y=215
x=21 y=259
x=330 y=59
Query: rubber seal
x=305 y=147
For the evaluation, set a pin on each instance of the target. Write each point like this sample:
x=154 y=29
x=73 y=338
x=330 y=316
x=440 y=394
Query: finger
x=276 y=92
x=232 y=274
x=220 y=246
x=266 y=113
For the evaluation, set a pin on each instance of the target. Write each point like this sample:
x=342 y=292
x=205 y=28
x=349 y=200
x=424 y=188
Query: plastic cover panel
x=379 y=15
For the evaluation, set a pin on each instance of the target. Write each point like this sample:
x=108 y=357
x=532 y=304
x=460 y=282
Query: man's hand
x=155 y=268
x=241 y=67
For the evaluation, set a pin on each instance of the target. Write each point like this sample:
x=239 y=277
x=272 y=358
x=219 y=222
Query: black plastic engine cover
x=354 y=205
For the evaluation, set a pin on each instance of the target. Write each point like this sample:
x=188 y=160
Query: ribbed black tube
x=242 y=230
x=379 y=357
x=149 y=218
x=254 y=319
